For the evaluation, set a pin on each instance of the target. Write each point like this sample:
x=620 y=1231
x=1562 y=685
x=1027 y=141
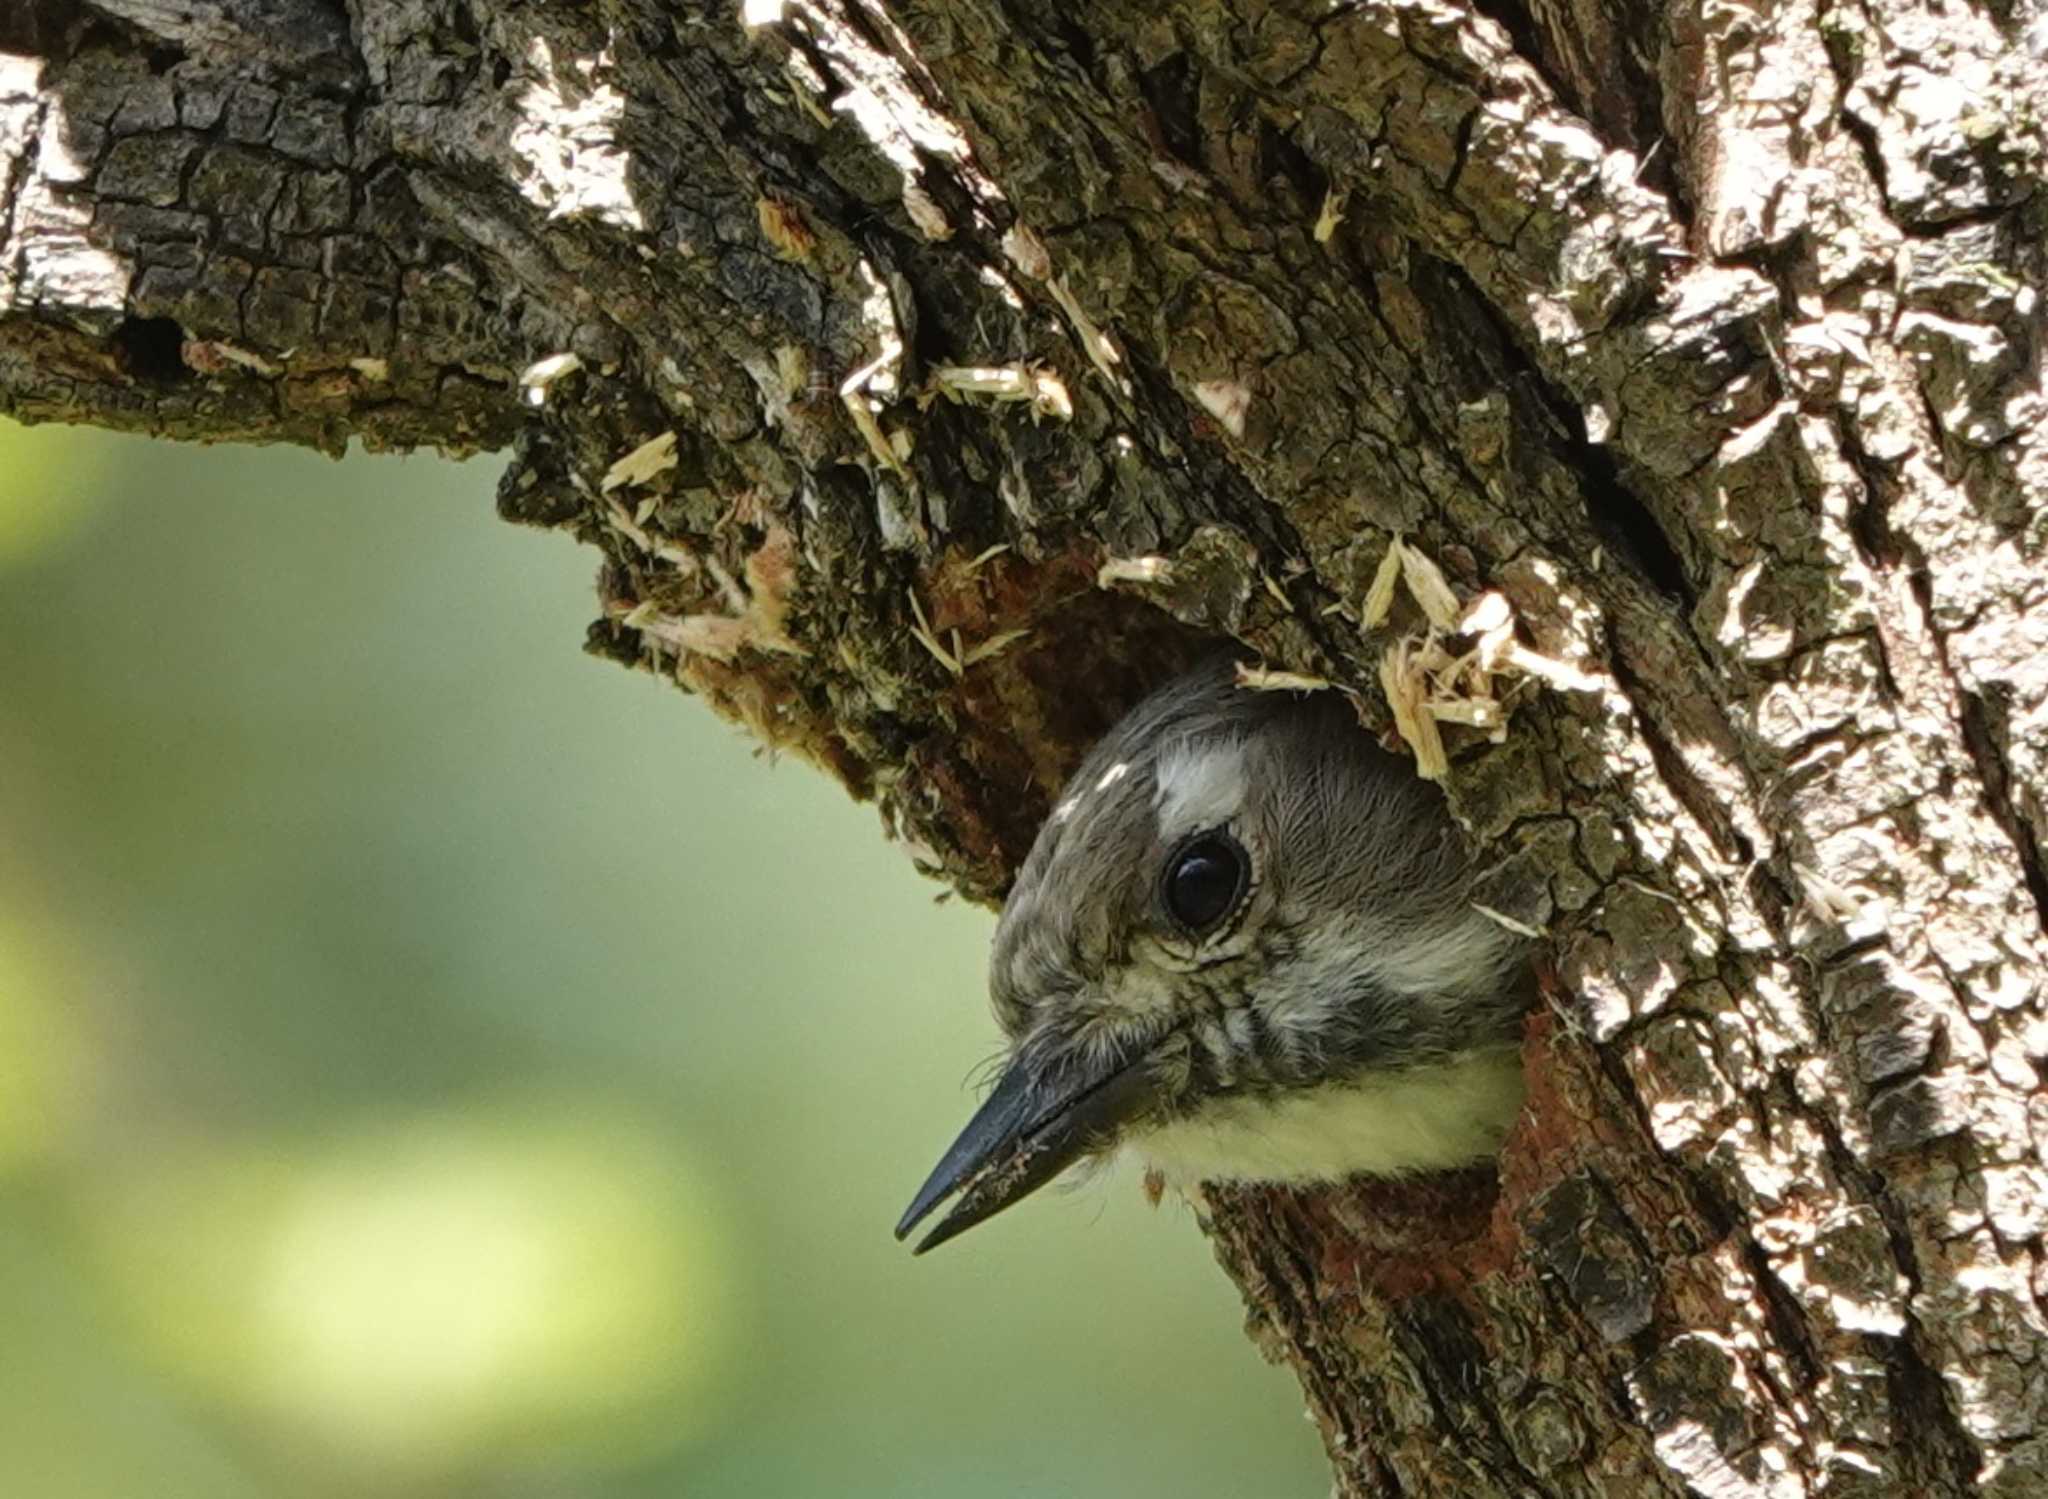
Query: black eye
x=1205 y=878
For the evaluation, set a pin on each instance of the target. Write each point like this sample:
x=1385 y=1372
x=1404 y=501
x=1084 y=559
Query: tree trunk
x=935 y=375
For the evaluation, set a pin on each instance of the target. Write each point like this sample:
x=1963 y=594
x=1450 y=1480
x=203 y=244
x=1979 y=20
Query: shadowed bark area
x=933 y=376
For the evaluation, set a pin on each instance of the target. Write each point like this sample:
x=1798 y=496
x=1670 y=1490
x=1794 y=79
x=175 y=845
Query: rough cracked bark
x=934 y=374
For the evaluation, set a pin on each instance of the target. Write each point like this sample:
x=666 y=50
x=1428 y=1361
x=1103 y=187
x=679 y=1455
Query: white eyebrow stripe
x=1200 y=786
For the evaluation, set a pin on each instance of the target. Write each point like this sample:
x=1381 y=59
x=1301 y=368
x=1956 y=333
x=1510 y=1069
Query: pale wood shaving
x=538 y=378
x=1379 y=598
x=879 y=372
x=1426 y=583
x=1501 y=918
x=1026 y=251
x=1478 y=712
x=862 y=411
x=715 y=635
x=1149 y=571
x=995 y=645
x=1331 y=216
x=1100 y=348
x=678 y=556
x=925 y=212
x=1268 y=679
x=1403 y=681
x=212 y=355
x=1427 y=684
x=1046 y=392
x=921 y=632
x=652 y=457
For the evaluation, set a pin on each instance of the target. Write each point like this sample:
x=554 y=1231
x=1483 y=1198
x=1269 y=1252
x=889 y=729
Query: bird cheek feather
x=1141 y=989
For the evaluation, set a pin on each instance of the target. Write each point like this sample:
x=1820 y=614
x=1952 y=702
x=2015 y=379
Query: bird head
x=1244 y=942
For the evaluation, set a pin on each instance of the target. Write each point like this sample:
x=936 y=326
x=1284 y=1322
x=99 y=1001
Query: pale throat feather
x=1425 y=1118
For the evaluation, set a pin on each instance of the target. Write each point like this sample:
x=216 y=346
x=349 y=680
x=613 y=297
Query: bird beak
x=1036 y=1124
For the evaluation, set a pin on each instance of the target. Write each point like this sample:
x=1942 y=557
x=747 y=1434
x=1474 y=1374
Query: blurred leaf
x=45 y=1062
x=452 y=1291
x=51 y=490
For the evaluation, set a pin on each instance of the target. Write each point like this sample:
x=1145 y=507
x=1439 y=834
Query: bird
x=1243 y=944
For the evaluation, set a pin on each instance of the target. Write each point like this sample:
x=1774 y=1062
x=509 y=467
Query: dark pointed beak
x=1037 y=1123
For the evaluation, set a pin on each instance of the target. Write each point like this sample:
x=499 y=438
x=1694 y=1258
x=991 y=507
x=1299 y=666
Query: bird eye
x=1205 y=879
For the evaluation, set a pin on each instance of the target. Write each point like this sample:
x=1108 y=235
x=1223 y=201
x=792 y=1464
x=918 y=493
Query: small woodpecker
x=1243 y=944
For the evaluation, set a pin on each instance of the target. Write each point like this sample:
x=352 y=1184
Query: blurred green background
x=434 y=1063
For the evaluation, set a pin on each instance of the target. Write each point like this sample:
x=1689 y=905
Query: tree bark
x=935 y=375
